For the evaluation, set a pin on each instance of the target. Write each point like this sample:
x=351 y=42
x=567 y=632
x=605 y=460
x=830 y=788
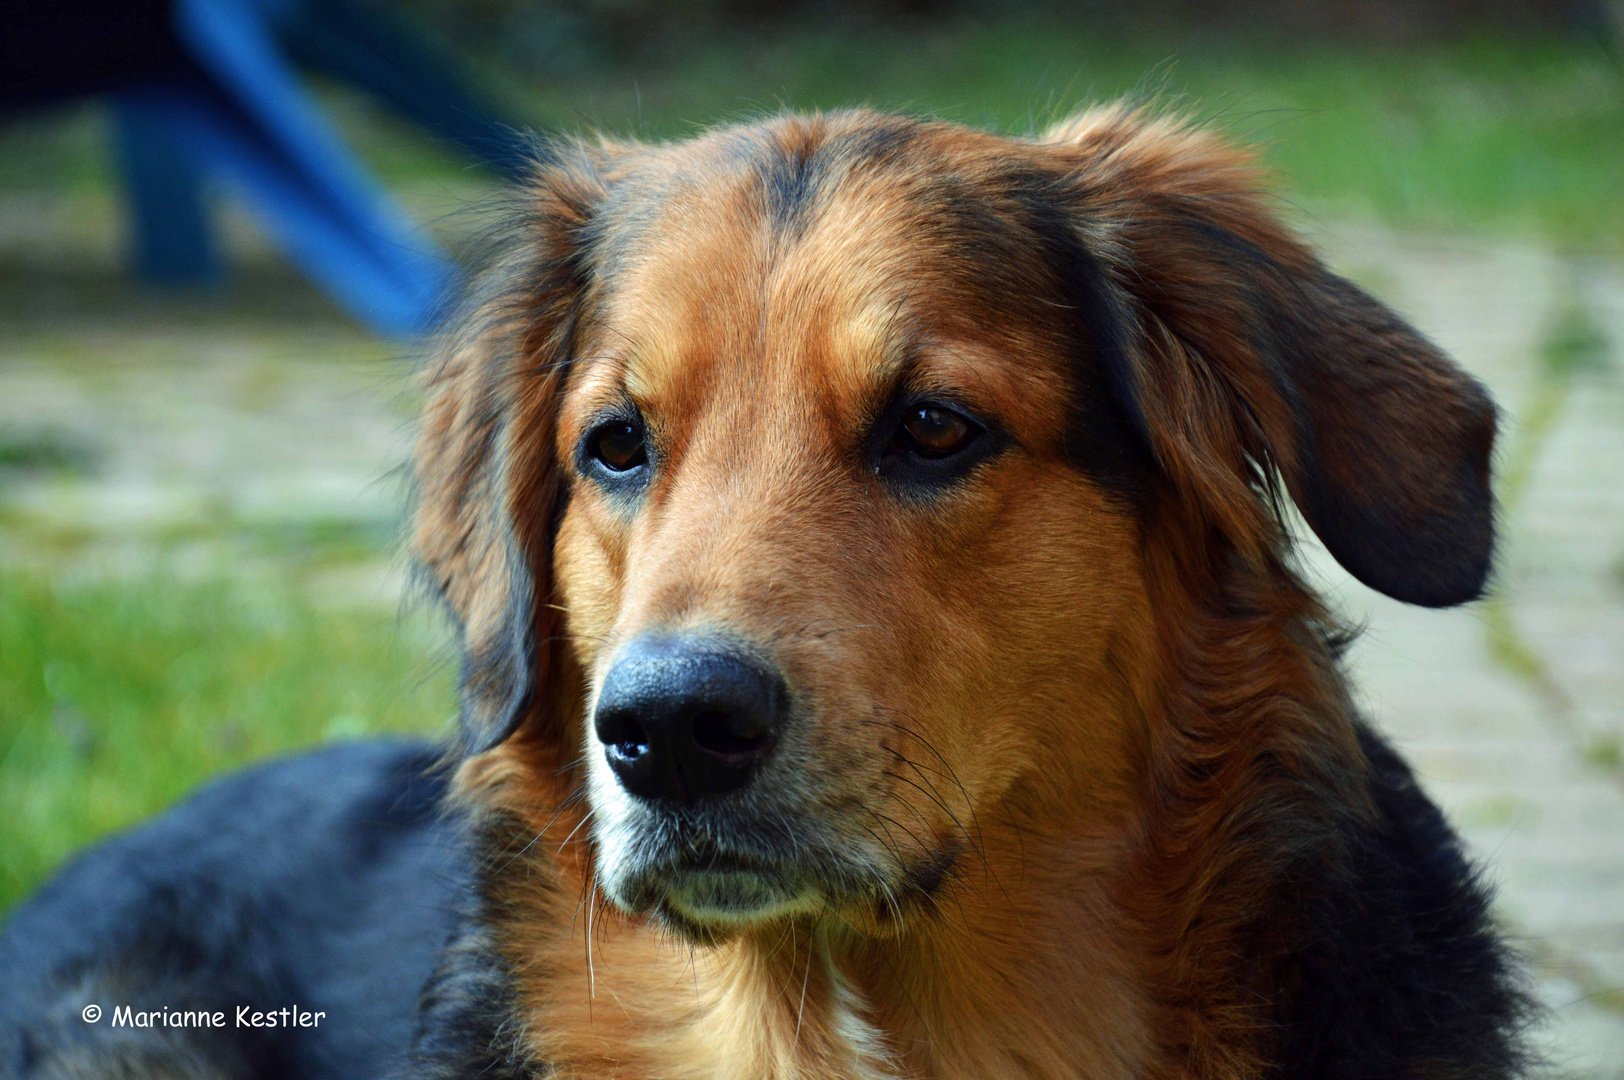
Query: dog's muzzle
x=687 y=726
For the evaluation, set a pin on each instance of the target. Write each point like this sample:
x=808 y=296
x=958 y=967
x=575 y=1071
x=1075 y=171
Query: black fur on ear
x=1246 y=356
x=489 y=490
x=1394 y=445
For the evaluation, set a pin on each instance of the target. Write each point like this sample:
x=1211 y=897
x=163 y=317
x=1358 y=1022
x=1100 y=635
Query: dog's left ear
x=1246 y=353
x=489 y=489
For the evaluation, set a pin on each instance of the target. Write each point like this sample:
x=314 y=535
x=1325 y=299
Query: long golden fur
x=1077 y=787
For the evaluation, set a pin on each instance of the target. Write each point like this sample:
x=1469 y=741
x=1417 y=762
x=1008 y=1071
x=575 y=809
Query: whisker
x=931 y=794
x=952 y=775
x=591 y=972
x=569 y=801
x=586 y=817
x=806 y=976
x=975 y=821
x=843 y=629
x=909 y=832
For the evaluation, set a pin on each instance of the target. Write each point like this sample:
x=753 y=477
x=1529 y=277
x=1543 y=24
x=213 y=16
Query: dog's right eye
x=921 y=447
x=933 y=432
x=618 y=446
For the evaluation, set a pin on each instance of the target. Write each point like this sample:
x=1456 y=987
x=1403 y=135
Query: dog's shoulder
x=1399 y=962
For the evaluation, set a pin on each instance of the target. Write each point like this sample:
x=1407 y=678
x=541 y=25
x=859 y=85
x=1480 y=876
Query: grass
x=1512 y=136
x=1520 y=137
x=43 y=450
x=119 y=696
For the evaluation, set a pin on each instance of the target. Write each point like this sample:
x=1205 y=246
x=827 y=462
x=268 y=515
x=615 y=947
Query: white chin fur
x=611 y=830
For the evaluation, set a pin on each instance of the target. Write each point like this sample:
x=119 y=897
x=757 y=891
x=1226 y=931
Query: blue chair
x=205 y=89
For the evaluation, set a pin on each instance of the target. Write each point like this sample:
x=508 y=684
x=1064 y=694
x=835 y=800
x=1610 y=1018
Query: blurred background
x=199 y=495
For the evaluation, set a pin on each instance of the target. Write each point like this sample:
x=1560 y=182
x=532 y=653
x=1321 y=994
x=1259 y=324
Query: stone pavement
x=252 y=434
x=1512 y=709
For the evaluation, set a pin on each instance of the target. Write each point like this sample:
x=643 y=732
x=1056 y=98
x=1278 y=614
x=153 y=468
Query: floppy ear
x=1244 y=352
x=488 y=485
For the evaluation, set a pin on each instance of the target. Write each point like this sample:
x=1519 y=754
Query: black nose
x=687 y=718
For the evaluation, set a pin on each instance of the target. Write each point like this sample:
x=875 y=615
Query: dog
x=884 y=653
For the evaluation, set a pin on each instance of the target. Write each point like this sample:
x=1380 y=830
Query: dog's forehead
x=819 y=254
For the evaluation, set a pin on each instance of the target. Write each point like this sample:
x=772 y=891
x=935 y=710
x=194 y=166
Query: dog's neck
x=971 y=995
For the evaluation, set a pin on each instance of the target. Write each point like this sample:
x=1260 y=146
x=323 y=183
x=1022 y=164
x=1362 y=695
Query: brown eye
x=935 y=433
x=618 y=445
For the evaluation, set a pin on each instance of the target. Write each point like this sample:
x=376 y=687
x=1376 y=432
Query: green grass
x=1518 y=136
x=118 y=697
x=1522 y=136
x=43 y=450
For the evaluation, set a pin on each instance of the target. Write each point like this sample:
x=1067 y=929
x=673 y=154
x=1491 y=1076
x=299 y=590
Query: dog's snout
x=688 y=719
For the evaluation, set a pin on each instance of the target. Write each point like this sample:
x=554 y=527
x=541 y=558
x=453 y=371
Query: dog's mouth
x=712 y=890
x=705 y=888
x=737 y=897
x=717 y=867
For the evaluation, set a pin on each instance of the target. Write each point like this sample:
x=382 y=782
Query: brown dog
x=884 y=657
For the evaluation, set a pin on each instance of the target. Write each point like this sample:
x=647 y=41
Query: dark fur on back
x=1401 y=971
x=327 y=881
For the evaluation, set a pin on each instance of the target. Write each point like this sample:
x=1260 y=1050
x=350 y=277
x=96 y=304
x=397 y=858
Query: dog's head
x=797 y=487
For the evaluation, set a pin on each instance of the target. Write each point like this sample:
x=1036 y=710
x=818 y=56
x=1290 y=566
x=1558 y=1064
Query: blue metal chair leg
x=172 y=241
x=382 y=277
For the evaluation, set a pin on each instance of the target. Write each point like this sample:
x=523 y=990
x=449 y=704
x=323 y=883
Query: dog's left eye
x=930 y=431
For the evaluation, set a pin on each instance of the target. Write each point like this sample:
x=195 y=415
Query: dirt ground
x=220 y=436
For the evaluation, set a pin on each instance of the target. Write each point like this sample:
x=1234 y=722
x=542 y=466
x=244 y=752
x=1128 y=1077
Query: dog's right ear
x=488 y=486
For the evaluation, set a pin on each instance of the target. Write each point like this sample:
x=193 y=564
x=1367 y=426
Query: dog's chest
x=656 y=1009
